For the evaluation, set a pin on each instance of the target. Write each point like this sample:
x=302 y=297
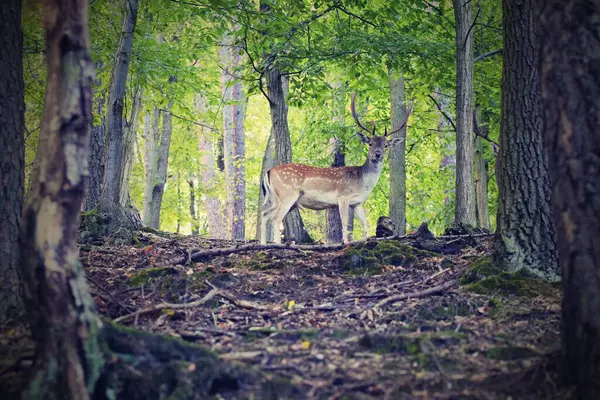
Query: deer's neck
x=370 y=172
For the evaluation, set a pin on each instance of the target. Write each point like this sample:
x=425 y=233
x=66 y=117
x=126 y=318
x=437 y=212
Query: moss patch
x=144 y=277
x=407 y=343
x=370 y=257
x=486 y=277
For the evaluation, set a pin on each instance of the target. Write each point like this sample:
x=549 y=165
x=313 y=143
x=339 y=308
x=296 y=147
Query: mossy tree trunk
x=59 y=304
x=465 y=104
x=570 y=86
x=130 y=143
x=481 y=176
x=525 y=227
x=12 y=156
x=93 y=190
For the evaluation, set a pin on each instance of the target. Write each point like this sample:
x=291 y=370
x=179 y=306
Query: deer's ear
x=394 y=141
x=364 y=138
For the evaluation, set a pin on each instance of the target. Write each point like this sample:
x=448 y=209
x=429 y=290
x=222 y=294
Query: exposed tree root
x=422 y=293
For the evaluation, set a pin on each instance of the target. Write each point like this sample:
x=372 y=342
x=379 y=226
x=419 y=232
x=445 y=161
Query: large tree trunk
x=465 y=104
x=570 y=85
x=61 y=310
x=293 y=225
x=397 y=158
x=525 y=228
x=481 y=177
x=212 y=203
x=157 y=161
x=93 y=190
x=233 y=140
x=12 y=156
x=130 y=138
x=111 y=191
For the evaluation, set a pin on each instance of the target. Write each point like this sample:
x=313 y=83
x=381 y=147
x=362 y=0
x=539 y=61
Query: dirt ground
x=324 y=320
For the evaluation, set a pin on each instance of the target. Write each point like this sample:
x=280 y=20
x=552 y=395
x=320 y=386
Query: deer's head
x=377 y=144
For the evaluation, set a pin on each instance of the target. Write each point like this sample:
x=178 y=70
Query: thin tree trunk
x=268 y=162
x=111 y=191
x=61 y=310
x=397 y=158
x=12 y=157
x=525 y=228
x=448 y=161
x=157 y=160
x=97 y=152
x=193 y=217
x=465 y=104
x=481 y=177
x=130 y=137
x=570 y=86
x=293 y=225
x=233 y=140
x=212 y=203
x=333 y=224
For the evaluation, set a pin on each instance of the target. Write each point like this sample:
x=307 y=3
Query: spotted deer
x=288 y=186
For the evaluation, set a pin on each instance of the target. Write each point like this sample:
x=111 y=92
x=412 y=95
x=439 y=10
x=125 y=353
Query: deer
x=290 y=186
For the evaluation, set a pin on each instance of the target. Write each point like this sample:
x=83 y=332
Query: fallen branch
x=474 y=235
x=165 y=305
x=197 y=254
x=413 y=295
x=436 y=275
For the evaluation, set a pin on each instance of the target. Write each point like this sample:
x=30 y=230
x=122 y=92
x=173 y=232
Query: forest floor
x=323 y=320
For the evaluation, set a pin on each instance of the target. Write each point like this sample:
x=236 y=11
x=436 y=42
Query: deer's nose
x=378 y=153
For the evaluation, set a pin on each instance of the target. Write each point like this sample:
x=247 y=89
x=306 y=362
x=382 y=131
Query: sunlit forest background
x=177 y=64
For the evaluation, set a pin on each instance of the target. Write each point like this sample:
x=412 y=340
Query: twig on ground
x=465 y=235
x=110 y=295
x=162 y=306
x=436 y=275
x=422 y=293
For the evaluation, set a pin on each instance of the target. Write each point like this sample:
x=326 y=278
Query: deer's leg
x=284 y=206
x=361 y=215
x=344 y=207
x=267 y=216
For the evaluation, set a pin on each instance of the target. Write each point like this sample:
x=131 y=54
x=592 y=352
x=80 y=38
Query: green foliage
x=329 y=50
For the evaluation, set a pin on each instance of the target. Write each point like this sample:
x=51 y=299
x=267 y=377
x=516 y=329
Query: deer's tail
x=267 y=190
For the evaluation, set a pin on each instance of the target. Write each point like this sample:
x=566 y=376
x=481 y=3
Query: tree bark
x=570 y=91
x=481 y=178
x=61 y=310
x=213 y=206
x=525 y=229
x=12 y=157
x=465 y=103
x=157 y=160
x=93 y=190
x=333 y=224
x=111 y=191
x=233 y=139
x=293 y=225
x=130 y=139
x=397 y=157
x=193 y=217
x=268 y=162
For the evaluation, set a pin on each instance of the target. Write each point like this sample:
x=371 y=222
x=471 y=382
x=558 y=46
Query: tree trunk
x=465 y=103
x=12 y=157
x=157 y=161
x=111 y=191
x=333 y=224
x=212 y=203
x=525 y=229
x=93 y=190
x=233 y=140
x=448 y=161
x=570 y=86
x=397 y=158
x=293 y=225
x=481 y=178
x=130 y=138
x=193 y=217
x=61 y=310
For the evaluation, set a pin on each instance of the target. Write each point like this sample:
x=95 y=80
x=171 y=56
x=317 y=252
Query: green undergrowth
x=370 y=257
x=261 y=260
x=486 y=277
x=409 y=344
